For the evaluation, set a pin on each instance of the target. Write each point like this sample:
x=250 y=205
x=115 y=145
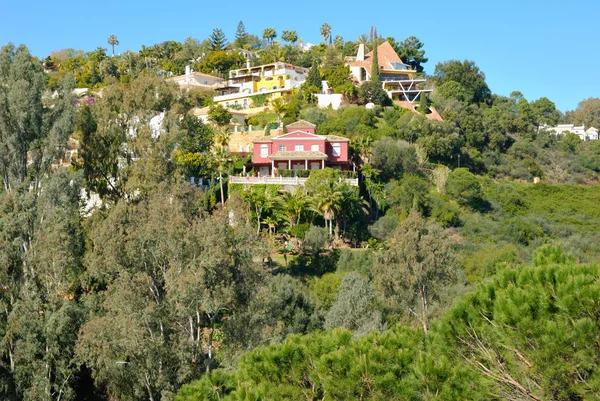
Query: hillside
x=363 y=252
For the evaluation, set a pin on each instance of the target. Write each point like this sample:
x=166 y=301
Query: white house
x=591 y=134
x=197 y=79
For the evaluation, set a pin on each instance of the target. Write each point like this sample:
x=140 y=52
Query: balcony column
x=272 y=168
x=289 y=164
x=322 y=164
x=305 y=164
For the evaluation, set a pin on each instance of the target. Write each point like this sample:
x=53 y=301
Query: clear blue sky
x=542 y=48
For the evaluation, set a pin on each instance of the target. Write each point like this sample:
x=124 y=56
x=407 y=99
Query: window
x=264 y=150
x=337 y=149
x=281 y=148
x=314 y=148
x=241 y=148
x=299 y=148
x=282 y=166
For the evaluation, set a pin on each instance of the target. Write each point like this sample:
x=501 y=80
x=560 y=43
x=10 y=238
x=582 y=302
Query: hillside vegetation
x=446 y=274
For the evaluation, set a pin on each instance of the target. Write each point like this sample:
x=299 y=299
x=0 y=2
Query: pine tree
x=217 y=40
x=241 y=36
x=375 y=64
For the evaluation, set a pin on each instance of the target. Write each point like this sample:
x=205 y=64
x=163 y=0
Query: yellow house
x=273 y=80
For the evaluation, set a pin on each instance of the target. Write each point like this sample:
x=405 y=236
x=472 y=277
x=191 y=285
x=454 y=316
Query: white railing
x=279 y=180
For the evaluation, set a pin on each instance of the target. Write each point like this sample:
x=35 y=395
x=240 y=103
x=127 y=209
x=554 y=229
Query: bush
x=464 y=188
x=316 y=238
x=299 y=230
x=384 y=228
x=359 y=260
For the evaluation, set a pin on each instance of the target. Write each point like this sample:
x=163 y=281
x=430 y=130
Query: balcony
x=279 y=180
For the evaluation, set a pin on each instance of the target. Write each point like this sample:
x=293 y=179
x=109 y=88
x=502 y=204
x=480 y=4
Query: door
x=264 y=171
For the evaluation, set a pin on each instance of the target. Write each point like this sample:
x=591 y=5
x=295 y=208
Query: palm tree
x=271 y=222
x=289 y=36
x=269 y=34
x=129 y=59
x=362 y=39
x=112 y=40
x=328 y=201
x=326 y=31
x=223 y=162
x=292 y=204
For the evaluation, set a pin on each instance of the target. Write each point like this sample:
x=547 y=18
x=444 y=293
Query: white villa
x=273 y=79
x=591 y=134
x=197 y=79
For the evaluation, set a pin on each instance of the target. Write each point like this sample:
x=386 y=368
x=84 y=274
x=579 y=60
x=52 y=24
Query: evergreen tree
x=217 y=40
x=410 y=51
x=241 y=36
x=423 y=109
x=314 y=77
x=375 y=64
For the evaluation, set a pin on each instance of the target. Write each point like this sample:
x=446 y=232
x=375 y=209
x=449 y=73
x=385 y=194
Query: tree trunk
x=210 y=339
x=337 y=229
x=423 y=294
x=147 y=382
x=221 y=185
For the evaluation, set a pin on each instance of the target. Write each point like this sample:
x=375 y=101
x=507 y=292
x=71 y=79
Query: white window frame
x=314 y=147
x=299 y=148
x=336 y=149
x=282 y=148
x=264 y=151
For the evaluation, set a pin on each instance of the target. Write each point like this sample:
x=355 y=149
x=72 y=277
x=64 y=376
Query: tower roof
x=385 y=55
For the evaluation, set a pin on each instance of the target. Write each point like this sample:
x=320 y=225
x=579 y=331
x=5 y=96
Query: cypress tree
x=375 y=64
x=423 y=104
x=314 y=76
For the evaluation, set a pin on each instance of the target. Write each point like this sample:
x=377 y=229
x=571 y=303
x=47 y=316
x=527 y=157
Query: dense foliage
x=129 y=267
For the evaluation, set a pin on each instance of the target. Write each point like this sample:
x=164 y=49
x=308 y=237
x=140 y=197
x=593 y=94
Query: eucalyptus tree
x=39 y=245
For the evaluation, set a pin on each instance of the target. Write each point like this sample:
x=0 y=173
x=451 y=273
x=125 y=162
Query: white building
x=591 y=134
x=274 y=79
x=196 y=79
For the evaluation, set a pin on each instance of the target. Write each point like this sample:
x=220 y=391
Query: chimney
x=360 y=56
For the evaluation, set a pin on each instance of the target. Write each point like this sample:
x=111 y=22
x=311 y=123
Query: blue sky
x=541 y=48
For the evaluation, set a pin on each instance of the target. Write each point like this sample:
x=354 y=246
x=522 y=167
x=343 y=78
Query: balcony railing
x=279 y=180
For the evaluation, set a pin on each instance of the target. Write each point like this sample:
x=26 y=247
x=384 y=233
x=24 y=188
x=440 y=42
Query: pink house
x=299 y=149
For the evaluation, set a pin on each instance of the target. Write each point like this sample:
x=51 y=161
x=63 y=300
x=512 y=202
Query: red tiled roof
x=301 y=124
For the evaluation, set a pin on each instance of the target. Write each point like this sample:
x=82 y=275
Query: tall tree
x=326 y=31
x=269 y=34
x=217 y=40
x=587 y=113
x=314 y=77
x=411 y=52
x=463 y=81
x=112 y=41
x=241 y=36
x=289 y=36
x=419 y=262
x=375 y=65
